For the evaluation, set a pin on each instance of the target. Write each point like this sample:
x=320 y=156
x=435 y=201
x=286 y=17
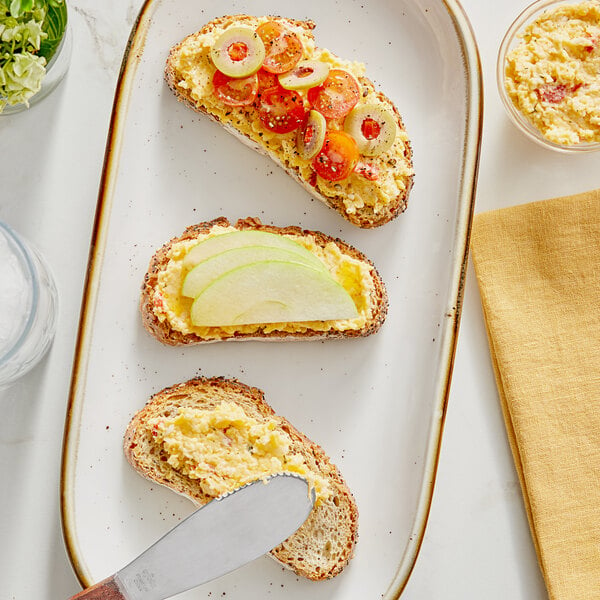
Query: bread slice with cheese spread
x=374 y=192
x=166 y=313
x=208 y=436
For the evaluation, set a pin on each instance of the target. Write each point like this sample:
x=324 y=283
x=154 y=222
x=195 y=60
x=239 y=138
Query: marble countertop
x=477 y=542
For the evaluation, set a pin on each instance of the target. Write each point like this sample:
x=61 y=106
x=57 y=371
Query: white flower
x=22 y=77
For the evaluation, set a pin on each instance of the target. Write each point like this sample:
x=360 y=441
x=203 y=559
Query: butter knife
x=219 y=537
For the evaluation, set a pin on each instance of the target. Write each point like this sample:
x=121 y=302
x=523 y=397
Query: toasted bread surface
x=324 y=544
x=161 y=327
x=364 y=202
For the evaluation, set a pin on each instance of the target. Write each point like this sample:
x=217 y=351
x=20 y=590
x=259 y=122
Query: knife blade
x=219 y=537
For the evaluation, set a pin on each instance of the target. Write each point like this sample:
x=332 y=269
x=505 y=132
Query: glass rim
x=23 y=254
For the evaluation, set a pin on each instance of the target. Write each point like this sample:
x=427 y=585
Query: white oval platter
x=376 y=405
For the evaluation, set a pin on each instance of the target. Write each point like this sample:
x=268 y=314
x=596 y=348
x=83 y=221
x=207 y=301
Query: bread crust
x=364 y=217
x=324 y=544
x=163 y=332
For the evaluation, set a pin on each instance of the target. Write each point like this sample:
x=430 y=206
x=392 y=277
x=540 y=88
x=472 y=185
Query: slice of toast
x=324 y=544
x=166 y=314
x=364 y=201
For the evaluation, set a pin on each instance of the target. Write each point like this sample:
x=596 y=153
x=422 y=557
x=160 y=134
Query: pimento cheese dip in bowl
x=548 y=74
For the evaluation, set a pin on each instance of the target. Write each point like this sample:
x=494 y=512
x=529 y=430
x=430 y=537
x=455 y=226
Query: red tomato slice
x=235 y=92
x=337 y=157
x=266 y=81
x=336 y=96
x=283 y=48
x=281 y=110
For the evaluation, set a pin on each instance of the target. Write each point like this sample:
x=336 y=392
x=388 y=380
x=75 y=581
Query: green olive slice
x=311 y=135
x=306 y=74
x=239 y=52
x=373 y=127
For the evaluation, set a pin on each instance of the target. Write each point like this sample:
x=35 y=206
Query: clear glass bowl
x=510 y=41
x=55 y=71
x=28 y=306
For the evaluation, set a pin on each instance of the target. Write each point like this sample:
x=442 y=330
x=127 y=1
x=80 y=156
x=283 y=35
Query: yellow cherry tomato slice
x=337 y=157
x=283 y=48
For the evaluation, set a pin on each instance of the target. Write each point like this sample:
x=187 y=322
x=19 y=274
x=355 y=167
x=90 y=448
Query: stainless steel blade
x=223 y=535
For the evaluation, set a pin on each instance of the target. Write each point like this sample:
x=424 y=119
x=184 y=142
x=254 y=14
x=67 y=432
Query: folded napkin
x=538 y=269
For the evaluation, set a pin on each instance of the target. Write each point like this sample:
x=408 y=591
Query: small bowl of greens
x=35 y=49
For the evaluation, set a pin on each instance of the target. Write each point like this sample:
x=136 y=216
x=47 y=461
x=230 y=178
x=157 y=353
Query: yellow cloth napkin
x=538 y=269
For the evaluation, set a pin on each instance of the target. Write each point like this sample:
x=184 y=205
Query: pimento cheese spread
x=224 y=448
x=553 y=75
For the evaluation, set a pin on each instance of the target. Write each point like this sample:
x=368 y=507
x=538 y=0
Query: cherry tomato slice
x=337 y=157
x=283 y=48
x=266 y=81
x=336 y=96
x=235 y=92
x=281 y=111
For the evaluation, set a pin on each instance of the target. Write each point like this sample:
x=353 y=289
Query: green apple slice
x=272 y=292
x=204 y=273
x=250 y=237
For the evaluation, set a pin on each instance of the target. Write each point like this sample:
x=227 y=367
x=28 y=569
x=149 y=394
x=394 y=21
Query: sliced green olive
x=373 y=127
x=306 y=74
x=239 y=52
x=311 y=135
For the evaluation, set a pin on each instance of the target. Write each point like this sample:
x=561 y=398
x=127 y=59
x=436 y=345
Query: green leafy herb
x=30 y=34
x=20 y=7
x=55 y=25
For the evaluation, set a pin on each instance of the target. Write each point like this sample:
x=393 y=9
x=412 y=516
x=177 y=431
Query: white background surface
x=477 y=542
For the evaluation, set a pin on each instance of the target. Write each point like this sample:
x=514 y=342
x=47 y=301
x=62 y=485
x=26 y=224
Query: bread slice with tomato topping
x=332 y=275
x=315 y=114
x=208 y=436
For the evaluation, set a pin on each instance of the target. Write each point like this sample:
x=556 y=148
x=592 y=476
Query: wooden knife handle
x=107 y=589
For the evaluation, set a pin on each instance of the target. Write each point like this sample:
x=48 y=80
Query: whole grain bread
x=324 y=544
x=165 y=333
x=366 y=216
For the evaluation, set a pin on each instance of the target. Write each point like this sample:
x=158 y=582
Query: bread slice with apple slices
x=219 y=281
x=314 y=114
x=208 y=436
